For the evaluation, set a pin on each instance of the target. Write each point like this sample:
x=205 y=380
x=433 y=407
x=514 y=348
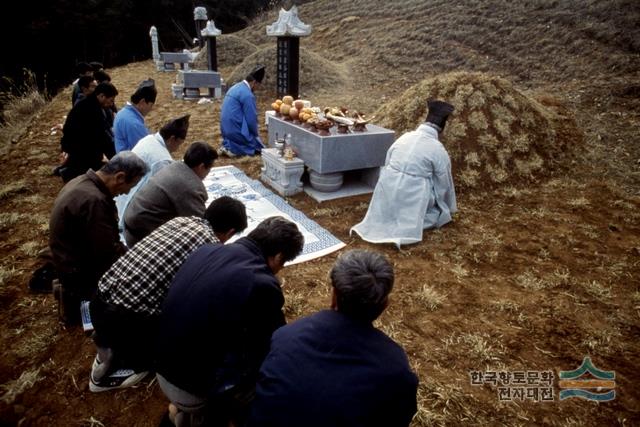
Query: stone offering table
x=363 y=151
x=192 y=81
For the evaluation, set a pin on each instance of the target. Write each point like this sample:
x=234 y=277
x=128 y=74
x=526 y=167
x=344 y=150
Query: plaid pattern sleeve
x=140 y=279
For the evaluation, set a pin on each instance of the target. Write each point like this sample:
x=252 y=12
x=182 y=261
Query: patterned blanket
x=261 y=203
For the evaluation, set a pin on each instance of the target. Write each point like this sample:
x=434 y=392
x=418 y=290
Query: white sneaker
x=223 y=151
x=122 y=378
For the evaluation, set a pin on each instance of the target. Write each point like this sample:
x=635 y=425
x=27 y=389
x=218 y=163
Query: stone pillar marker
x=288 y=29
x=153 y=33
x=209 y=34
x=200 y=16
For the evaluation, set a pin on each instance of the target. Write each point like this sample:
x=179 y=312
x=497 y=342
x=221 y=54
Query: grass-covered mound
x=317 y=75
x=496 y=135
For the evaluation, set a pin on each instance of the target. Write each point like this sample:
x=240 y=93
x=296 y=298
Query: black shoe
x=41 y=281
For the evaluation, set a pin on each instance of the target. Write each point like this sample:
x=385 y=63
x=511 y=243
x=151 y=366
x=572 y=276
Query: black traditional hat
x=146 y=90
x=177 y=127
x=438 y=112
x=257 y=74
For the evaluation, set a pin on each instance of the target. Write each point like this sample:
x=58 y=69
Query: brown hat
x=438 y=112
x=257 y=74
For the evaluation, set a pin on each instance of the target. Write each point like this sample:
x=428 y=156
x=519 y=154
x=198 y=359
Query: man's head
x=279 y=240
x=101 y=76
x=200 y=157
x=255 y=77
x=96 y=66
x=362 y=281
x=122 y=172
x=227 y=217
x=144 y=97
x=106 y=94
x=438 y=113
x=84 y=69
x=87 y=85
x=175 y=132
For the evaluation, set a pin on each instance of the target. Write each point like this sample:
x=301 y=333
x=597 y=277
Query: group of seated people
x=207 y=317
x=169 y=294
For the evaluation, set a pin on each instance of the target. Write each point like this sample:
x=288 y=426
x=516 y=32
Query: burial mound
x=317 y=75
x=497 y=134
x=231 y=50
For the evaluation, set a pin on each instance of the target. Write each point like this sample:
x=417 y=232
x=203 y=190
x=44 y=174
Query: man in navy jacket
x=216 y=322
x=335 y=368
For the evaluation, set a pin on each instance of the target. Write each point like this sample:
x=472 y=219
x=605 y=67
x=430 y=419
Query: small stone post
x=200 y=16
x=153 y=33
x=288 y=29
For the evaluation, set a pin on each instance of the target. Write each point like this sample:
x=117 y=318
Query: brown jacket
x=83 y=229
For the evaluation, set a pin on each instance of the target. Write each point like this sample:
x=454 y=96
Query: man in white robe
x=415 y=190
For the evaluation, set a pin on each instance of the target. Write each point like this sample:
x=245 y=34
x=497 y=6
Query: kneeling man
x=334 y=368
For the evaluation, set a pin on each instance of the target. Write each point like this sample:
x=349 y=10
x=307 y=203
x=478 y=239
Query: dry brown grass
x=14 y=388
x=231 y=51
x=502 y=136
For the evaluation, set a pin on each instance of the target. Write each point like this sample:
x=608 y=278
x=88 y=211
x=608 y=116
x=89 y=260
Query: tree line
x=49 y=37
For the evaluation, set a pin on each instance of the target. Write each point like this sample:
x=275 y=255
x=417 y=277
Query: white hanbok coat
x=415 y=191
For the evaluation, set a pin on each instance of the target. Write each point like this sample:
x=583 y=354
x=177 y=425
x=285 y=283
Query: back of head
x=106 y=89
x=277 y=235
x=200 y=153
x=96 y=66
x=83 y=68
x=85 y=81
x=257 y=74
x=176 y=127
x=439 y=112
x=226 y=213
x=362 y=281
x=146 y=91
x=127 y=162
x=101 y=76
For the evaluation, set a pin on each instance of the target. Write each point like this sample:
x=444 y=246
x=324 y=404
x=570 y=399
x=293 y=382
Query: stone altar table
x=363 y=152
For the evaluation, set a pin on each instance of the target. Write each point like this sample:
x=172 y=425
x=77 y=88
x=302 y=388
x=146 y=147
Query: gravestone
x=210 y=33
x=155 y=51
x=288 y=29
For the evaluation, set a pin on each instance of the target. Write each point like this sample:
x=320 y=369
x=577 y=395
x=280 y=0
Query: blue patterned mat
x=262 y=203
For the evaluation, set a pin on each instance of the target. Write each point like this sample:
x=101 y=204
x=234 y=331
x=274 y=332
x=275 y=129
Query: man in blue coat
x=129 y=127
x=334 y=368
x=216 y=322
x=239 y=117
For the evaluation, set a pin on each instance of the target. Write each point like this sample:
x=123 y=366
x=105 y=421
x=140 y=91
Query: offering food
x=323 y=126
x=285 y=109
x=288 y=99
x=276 y=105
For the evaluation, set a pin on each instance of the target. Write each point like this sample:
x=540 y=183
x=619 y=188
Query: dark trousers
x=75 y=287
x=130 y=335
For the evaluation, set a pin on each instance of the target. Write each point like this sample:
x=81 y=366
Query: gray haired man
x=83 y=229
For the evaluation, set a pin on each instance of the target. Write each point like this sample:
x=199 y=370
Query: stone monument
x=288 y=29
x=209 y=33
x=153 y=33
x=200 y=16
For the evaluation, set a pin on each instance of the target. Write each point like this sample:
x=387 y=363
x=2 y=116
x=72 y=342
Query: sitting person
x=83 y=230
x=83 y=69
x=129 y=127
x=87 y=138
x=177 y=190
x=415 y=190
x=239 y=117
x=87 y=85
x=222 y=307
x=156 y=151
x=125 y=310
x=334 y=368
